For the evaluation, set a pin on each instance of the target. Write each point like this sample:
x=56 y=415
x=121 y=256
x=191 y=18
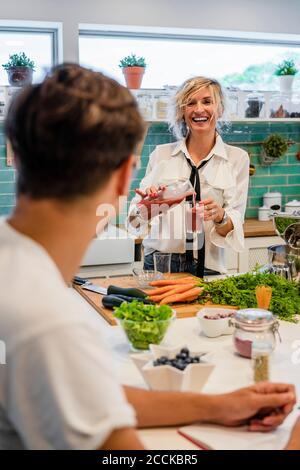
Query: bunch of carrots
x=183 y=289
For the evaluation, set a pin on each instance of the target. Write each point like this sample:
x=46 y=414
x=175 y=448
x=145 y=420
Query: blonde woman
x=218 y=172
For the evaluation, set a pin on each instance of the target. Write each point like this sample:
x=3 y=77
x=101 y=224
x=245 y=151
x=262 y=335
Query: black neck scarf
x=195 y=181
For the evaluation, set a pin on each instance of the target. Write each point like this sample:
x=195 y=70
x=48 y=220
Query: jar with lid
x=145 y=103
x=280 y=105
x=233 y=104
x=254 y=326
x=255 y=105
x=161 y=106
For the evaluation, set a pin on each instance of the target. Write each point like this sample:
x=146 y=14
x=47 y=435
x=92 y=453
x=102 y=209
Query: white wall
x=273 y=16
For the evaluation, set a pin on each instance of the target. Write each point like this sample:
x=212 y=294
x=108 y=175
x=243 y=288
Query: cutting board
x=182 y=310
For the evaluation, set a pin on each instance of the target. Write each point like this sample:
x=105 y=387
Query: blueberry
x=156 y=363
x=185 y=351
x=163 y=359
x=188 y=360
x=196 y=359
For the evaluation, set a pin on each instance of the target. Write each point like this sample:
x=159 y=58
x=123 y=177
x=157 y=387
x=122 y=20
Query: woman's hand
x=263 y=406
x=212 y=210
x=153 y=201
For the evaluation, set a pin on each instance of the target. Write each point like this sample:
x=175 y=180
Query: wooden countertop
x=256 y=228
x=252 y=228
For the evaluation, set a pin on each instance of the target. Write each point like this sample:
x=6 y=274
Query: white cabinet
x=255 y=252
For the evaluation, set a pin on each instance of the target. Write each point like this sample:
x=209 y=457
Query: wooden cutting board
x=182 y=310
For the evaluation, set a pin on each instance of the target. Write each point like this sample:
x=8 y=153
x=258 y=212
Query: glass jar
x=255 y=105
x=145 y=103
x=233 y=104
x=254 y=327
x=161 y=106
x=261 y=360
x=280 y=105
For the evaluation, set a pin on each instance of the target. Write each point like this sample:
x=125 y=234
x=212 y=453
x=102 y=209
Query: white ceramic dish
x=215 y=327
x=166 y=377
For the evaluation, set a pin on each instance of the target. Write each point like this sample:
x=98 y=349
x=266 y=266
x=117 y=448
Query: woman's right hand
x=152 y=200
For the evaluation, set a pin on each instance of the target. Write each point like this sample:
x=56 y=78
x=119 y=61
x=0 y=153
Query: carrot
x=160 y=290
x=166 y=282
x=181 y=297
x=173 y=290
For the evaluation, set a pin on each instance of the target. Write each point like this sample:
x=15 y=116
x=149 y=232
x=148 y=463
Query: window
x=172 y=58
x=40 y=44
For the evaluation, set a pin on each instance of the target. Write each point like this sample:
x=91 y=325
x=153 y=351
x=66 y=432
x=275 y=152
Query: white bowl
x=215 y=327
x=166 y=377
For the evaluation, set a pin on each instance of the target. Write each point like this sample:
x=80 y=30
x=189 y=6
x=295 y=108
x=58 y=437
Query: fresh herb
x=240 y=291
x=132 y=61
x=18 y=60
x=144 y=324
x=287 y=67
x=282 y=223
x=275 y=146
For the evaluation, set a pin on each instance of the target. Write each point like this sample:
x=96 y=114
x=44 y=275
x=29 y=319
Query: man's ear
x=124 y=175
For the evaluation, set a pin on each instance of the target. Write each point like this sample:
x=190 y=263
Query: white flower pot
x=286 y=83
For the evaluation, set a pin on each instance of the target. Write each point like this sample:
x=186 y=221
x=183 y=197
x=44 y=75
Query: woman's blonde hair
x=183 y=95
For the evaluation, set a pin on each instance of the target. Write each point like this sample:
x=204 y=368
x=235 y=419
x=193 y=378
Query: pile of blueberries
x=181 y=361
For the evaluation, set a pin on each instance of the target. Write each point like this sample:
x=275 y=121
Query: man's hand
x=263 y=406
x=294 y=442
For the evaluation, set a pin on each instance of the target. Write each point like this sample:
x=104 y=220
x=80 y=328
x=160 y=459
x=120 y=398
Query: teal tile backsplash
x=284 y=176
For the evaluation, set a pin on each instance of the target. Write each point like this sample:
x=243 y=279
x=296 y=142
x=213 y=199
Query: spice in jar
x=261 y=365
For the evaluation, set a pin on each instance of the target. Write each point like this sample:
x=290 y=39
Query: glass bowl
x=143 y=333
x=143 y=277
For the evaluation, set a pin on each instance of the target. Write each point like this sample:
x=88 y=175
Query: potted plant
x=286 y=71
x=274 y=147
x=133 y=68
x=19 y=69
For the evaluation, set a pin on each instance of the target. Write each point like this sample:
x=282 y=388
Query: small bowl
x=168 y=378
x=213 y=327
x=142 y=334
x=143 y=277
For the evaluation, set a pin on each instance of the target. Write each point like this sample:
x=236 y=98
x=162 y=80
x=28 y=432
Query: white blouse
x=224 y=178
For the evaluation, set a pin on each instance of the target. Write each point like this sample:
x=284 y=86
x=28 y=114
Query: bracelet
x=223 y=221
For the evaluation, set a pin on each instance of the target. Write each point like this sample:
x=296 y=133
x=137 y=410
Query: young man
x=73 y=138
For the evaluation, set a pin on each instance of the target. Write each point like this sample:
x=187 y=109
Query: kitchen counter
x=231 y=371
x=252 y=228
x=256 y=228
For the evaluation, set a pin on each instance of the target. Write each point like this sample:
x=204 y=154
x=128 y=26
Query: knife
x=88 y=285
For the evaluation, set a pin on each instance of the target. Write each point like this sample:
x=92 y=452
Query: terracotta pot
x=133 y=76
x=19 y=76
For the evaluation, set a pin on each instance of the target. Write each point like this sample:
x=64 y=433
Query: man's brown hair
x=70 y=132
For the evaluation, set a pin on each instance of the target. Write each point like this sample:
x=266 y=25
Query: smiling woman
x=219 y=174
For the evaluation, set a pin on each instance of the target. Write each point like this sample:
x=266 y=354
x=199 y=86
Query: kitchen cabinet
x=255 y=252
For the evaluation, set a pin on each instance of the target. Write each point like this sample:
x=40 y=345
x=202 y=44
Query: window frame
x=190 y=34
x=54 y=29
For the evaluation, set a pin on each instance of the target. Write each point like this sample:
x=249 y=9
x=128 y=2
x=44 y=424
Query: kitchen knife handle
x=79 y=280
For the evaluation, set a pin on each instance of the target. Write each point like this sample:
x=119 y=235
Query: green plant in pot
x=274 y=147
x=133 y=68
x=286 y=71
x=19 y=69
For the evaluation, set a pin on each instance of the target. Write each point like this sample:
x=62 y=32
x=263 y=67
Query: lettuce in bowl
x=144 y=324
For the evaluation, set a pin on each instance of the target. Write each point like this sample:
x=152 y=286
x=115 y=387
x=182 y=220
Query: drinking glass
x=162 y=263
x=194 y=214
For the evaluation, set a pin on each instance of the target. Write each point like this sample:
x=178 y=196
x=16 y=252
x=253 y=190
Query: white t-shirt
x=57 y=388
